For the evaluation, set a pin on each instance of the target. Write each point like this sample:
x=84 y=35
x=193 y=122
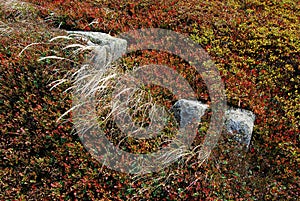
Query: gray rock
x=187 y=111
x=106 y=48
x=240 y=122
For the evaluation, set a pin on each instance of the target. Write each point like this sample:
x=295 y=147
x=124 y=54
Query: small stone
x=107 y=48
x=240 y=122
x=188 y=111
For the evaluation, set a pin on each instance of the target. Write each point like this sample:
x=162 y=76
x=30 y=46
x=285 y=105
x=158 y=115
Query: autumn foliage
x=255 y=46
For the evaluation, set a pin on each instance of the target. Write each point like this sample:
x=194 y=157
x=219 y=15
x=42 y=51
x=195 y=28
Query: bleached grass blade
x=58 y=82
x=53 y=57
x=32 y=44
x=60 y=37
x=74 y=45
x=70 y=110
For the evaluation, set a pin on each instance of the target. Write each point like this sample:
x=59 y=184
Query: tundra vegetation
x=255 y=45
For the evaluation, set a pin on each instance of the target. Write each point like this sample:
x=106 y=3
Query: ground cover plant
x=255 y=46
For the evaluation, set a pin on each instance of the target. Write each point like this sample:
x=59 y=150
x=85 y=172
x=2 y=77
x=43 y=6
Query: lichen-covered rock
x=106 y=48
x=240 y=122
x=187 y=111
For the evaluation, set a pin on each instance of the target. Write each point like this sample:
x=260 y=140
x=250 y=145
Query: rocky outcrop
x=107 y=49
